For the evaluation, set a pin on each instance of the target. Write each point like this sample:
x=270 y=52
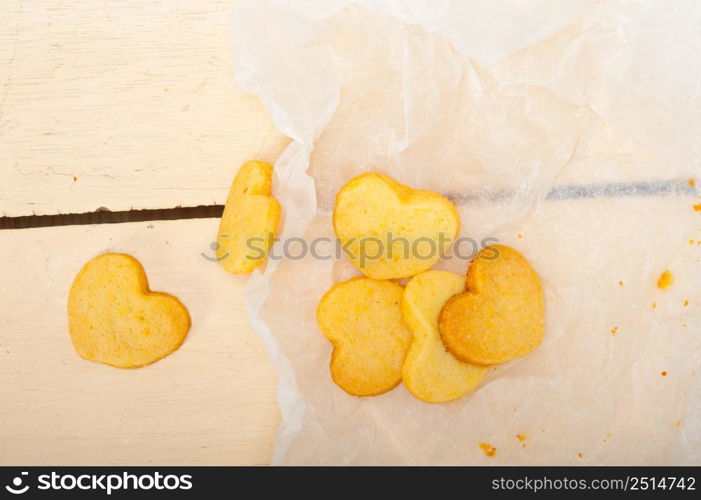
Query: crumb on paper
x=654 y=305
x=75 y=178
x=520 y=236
x=697 y=207
x=691 y=242
x=521 y=437
x=580 y=454
x=620 y=283
x=488 y=449
x=692 y=182
x=678 y=423
x=686 y=302
x=614 y=330
x=664 y=373
x=665 y=280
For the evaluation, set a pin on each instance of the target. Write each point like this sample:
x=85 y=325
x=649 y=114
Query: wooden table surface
x=125 y=105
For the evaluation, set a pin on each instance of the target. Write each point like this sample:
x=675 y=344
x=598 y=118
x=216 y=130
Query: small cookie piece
x=114 y=318
x=363 y=320
x=501 y=315
x=430 y=372
x=250 y=219
x=665 y=280
x=390 y=230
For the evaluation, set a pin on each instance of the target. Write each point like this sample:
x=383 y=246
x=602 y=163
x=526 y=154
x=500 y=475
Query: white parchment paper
x=569 y=130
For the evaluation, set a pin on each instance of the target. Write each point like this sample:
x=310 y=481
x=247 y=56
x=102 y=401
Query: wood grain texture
x=125 y=104
x=122 y=105
x=210 y=402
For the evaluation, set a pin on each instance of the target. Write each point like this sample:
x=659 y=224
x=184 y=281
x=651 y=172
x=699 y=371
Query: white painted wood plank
x=210 y=402
x=121 y=104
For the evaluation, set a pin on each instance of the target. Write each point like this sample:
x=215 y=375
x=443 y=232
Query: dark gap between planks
x=558 y=193
x=105 y=216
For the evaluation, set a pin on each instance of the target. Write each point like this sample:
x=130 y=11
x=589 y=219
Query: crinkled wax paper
x=568 y=130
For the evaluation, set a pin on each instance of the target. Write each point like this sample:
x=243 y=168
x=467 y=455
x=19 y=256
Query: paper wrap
x=568 y=130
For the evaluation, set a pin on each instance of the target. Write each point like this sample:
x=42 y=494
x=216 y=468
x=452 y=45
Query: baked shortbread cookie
x=114 y=318
x=501 y=315
x=390 y=230
x=250 y=219
x=430 y=372
x=363 y=320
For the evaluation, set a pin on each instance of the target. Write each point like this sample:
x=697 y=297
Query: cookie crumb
x=665 y=280
x=654 y=305
x=75 y=178
x=488 y=449
x=520 y=236
x=692 y=182
x=521 y=437
x=697 y=207
x=620 y=283
x=664 y=373
x=686 y=302
x=614 y=330
x=580 y=454
x=678 y=423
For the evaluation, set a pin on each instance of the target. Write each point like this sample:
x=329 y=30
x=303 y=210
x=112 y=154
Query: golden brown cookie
x=390 y=230
x=501 y=315
x=430 y=372
x=363 y=320
x=114 y=318
x=250 y=219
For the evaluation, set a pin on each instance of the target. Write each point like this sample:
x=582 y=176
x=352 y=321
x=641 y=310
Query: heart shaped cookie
x=363 y=320
x=114 y=318
x=389 y=230
x=250 y=219
x=501 y=315
x=430 y=372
